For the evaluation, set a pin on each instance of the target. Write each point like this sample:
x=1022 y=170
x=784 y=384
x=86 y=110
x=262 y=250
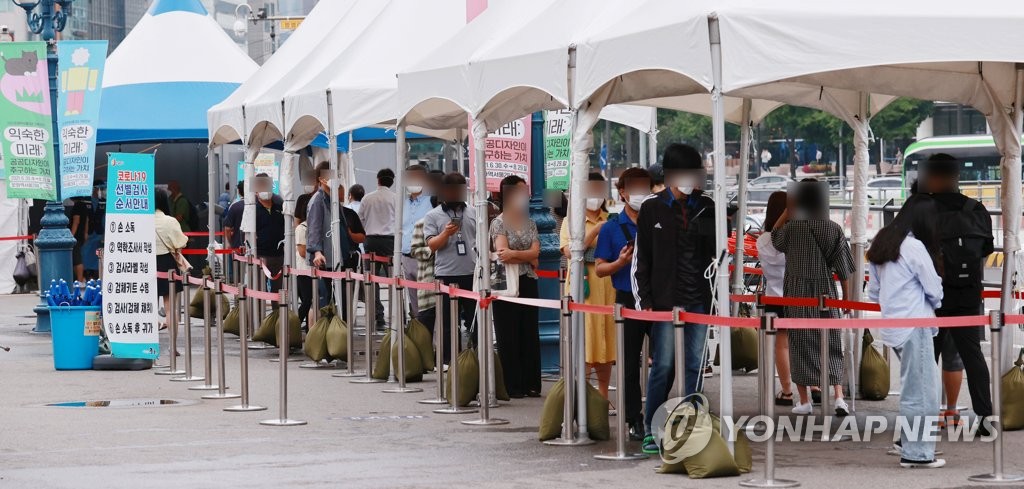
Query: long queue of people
x=657 y=254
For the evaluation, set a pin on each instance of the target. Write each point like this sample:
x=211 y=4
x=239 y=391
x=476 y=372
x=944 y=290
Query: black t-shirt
x=270 y=228
x=82 y=208
x=233 y=220
x=356 y=226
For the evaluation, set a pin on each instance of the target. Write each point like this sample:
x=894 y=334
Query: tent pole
x=644 y=155
x=652 y=139
x=741 y=214
x=332 y=155
x=721 y=224
x=1011 y=218
x=350 y=163
x=211 y=216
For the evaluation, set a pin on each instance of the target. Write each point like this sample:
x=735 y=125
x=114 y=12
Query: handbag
x=504 y=277
x=183 y=265
x=22 y=274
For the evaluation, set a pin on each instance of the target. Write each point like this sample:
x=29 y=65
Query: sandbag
x=231 y=322
x=337 y=337
x=315 y=346
x=551 y=415
x=1013 y=395
x=713 y=460
x=874 y=372
x=195 y=307
x=469 y=378
x=383 y=365
x=267 y=331
x=500 y=391
x=744 y=349
x=421 y=337
x=413 y=363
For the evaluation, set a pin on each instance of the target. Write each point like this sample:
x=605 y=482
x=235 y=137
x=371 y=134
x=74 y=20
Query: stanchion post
x=282 y=339
x=243 y=320
x=486 y=347
x=997 y=475
x=369 y=311
x=207 y=341
x=680 y=356
x=438 y=346
x=397 y=301
x=172 y=327
x=768 y=334
x=826 y=388
x=569 y=436
x=187 y=323
x=219 y=324
x=620 y=394
x=453 y=364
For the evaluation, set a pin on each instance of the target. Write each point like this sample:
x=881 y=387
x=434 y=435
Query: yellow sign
x=290 y=24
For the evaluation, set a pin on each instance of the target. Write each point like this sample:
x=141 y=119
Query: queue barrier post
x=207 y=341
x=438 y=346
x=569 y=436
x=219 y=324
x=259 y=284
x=453 y=364
x=562 y=274
x=172 y=327
x=243 y=319
x=766 y=374
x=826 y=393
x=397 y=303
x=997 y=476
x=620 y=394
x=282 y=341
x=369 y=310
x=187 y=323
x=286 y=280
x=680 y=364
x=486 y=352
x=348 y=285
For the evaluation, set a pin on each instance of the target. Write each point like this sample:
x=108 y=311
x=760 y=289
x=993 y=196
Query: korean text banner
x=507 y=153
x=557 y=148
x=264 y=163
x=26 y=121
x=129 y=280
x=78 y=112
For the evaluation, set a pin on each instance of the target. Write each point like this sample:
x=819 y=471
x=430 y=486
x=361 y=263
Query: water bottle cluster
x=77 y=295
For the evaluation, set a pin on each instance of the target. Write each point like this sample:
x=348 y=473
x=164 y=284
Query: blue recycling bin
x=76 y=336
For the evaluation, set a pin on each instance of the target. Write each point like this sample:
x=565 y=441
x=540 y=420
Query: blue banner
x=78 y=112
x=129 y=257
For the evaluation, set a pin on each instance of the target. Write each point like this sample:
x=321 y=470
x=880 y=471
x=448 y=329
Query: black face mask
x=453 y=206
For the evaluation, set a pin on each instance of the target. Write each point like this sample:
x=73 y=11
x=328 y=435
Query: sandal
x=784 y=399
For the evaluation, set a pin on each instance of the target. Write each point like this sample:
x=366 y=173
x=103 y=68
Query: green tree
x=792 y=123
x=692 y=129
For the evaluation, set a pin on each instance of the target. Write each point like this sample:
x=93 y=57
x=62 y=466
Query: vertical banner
x=26 y=121
x=557 y=148
x=129 y=292
x=507 y=153
x=78 y=113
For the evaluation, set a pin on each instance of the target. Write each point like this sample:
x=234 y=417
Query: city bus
x=980 y=173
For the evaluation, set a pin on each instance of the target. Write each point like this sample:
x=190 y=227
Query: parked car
x=881 y=189
x=760 y=188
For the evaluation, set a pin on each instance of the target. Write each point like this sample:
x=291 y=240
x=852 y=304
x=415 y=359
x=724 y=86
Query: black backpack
x=963 y=245
x=193 y=216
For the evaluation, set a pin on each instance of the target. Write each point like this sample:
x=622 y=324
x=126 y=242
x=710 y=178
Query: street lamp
x=262 y=14
x=54 y=242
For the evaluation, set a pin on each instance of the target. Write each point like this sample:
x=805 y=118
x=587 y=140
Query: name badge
x=460 y=246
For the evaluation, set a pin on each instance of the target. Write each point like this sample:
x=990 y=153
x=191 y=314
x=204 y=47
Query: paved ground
x=199 y=445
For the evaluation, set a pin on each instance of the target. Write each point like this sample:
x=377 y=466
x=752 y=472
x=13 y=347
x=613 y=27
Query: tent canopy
x=171 y=68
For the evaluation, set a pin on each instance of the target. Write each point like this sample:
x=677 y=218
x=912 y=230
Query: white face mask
x=265 y=195
x=308 y=189
x=594 y=203
x=636 y=200
x=414 y=189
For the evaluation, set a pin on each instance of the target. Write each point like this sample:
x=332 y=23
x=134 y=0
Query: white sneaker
x=841 y=408
x=913 y=464
x=896 y=449
x=802 y=408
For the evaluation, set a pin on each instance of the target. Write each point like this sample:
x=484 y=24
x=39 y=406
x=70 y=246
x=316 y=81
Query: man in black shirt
x=966 y=237
x=81 y=213
x=269 y=228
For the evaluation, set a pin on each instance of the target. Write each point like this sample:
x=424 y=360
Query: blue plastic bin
x=76 y=336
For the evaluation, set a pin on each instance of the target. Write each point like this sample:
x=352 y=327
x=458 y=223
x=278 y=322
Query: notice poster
x=507 y=152
x=557 y=148
x=26 y=121
x=129 y=282
x=264 y=163
x=78 y=113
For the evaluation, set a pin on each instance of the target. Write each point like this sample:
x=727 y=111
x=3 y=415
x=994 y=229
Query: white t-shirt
x=773 y=265
x=300 y=239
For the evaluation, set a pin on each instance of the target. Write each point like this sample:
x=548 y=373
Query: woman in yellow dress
x=599 y=332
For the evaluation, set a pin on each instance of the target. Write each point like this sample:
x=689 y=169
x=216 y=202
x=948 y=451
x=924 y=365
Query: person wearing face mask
x=416 y=205
x=612 y=257
x=269 y=227
x=450 y=233
x=599 y=336
x=675 y=244
x=319 y=249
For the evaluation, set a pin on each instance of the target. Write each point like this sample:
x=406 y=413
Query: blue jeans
x=919 y=395
x=662 y=373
